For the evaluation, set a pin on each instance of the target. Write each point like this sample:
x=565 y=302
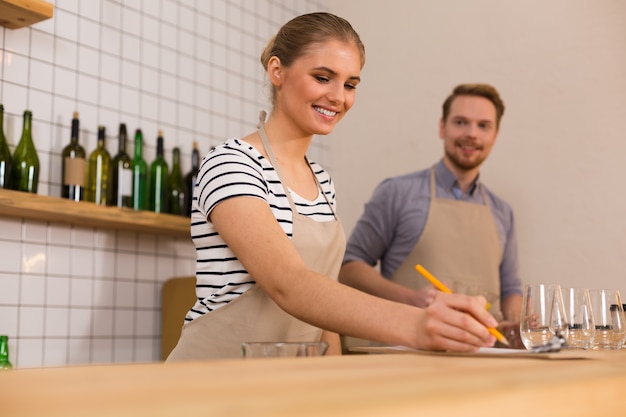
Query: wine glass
x=543 y=315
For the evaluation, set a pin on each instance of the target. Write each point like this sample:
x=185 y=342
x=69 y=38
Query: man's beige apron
x=460 y=243
x=254 y=316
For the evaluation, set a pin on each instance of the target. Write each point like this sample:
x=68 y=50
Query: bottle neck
x=4 y=348
x=122 y=144
x=195 y=160
x=74 y=138
x=159 y=149
x=138 y=147
x=122 y=138
x=26 y=130
x=175 y=159
x=101 y=137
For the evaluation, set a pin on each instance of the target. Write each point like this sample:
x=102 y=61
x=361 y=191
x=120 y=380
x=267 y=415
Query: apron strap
x=274 y=161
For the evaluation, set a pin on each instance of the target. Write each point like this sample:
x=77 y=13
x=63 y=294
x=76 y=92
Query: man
x=444 y=218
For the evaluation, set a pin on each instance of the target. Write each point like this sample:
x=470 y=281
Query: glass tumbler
x=608 y=315
x=543 y=314
x=580 y=329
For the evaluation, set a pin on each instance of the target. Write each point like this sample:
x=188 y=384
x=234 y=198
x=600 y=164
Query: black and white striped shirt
x=237 y=169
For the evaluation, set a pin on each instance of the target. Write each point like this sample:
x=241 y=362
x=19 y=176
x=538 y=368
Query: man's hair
x=481 y=90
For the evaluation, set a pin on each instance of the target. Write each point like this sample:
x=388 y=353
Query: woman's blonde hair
x=295 y=37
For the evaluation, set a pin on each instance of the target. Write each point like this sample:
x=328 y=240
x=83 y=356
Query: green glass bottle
x=121 y=184
x=98 y=171
x=5 y=155
x=74 y=166
x=177 y=186
x=5 y=363
x=25 y=162
x=140 y=175
x=158 y=180
x=190 y=178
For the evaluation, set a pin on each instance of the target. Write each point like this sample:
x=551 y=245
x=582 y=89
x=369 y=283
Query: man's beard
x=463 y=164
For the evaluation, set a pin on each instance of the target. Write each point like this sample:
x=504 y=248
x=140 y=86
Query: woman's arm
x=451 y=322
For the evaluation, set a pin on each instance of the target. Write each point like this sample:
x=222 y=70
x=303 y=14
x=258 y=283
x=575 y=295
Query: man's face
x=469 y=132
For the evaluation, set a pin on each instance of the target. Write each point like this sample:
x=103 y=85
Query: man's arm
x=512 y=308
x=360 y=275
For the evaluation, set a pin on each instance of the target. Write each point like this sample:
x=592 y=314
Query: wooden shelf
x=55 y=209
x=15 y=14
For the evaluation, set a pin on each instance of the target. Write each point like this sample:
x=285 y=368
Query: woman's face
x=319 y=88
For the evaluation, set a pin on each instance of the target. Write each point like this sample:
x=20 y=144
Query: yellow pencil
x=442 y=287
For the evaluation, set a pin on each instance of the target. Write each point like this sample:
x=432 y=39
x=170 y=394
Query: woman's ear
x=275 y=71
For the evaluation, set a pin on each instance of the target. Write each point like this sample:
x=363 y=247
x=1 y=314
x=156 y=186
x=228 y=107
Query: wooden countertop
x=353 y=385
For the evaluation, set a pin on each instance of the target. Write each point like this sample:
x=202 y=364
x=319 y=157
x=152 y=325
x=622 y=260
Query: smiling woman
x=268 y=240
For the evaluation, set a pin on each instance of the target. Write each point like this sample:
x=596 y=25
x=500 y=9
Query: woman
x=269 y=244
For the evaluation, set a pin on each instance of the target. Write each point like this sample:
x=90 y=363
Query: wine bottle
x=74 y=166
x=190 y=178
x=139 y=175
x=25 y=162
x=121 y=184
x=98 y=171
x=176 y=186
x=5 y=155
x=158 y=180
x=5 y=363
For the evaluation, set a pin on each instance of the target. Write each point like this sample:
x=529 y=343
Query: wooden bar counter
x=378 y=385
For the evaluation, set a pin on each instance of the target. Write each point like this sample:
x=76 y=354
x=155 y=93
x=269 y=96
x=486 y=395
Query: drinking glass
x=580 y=330
x=608 y=315
x=543 y=314
x=283 y=349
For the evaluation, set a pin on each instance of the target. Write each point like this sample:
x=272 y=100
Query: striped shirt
x=236 y=169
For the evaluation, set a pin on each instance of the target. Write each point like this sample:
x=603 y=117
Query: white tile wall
x=79 y=295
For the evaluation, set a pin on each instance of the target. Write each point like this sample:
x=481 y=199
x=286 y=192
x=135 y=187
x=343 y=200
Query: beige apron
x=460 y=243
x=254 y=316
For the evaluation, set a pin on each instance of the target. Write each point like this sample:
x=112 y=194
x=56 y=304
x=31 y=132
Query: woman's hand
x=456 y=322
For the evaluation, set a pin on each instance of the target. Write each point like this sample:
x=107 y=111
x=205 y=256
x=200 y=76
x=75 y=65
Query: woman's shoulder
x=233 y=150
x=235 y=146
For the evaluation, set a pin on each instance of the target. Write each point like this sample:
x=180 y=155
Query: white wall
x=560 y=66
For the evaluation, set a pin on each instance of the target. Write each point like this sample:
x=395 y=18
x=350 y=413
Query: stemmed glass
x=543 y=315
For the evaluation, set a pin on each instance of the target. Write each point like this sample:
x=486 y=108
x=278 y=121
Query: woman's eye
x=321 y=79
x=350 y=86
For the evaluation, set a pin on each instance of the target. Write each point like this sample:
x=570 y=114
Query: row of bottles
x=120 y=181
x=132 y=182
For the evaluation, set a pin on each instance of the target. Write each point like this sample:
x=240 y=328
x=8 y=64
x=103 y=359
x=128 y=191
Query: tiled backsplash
x=78 y=295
